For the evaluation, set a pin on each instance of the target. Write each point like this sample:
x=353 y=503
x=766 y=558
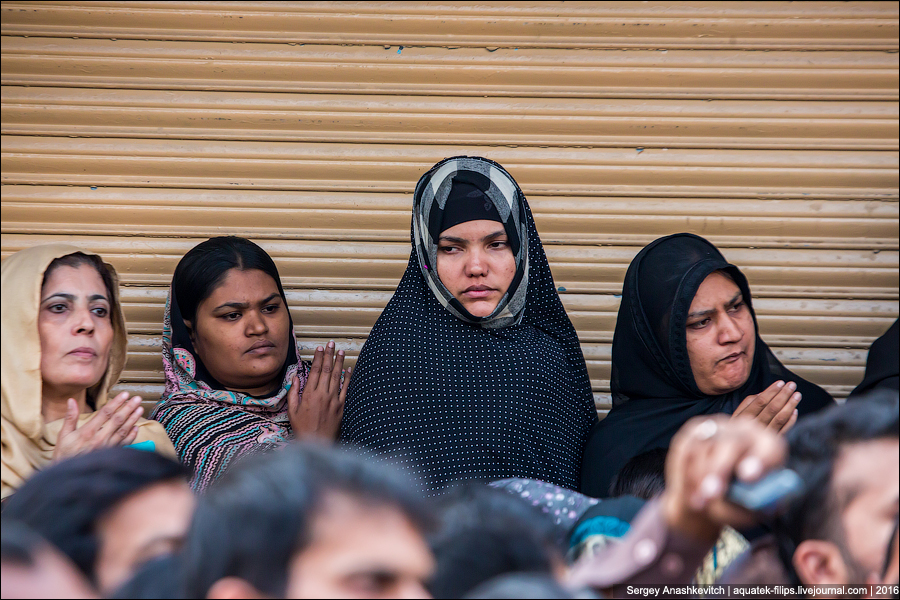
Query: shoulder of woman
x=153 y=431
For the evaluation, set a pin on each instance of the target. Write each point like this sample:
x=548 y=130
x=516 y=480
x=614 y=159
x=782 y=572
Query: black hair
x=815 y=444
x=19 y=545
x=522 y=586
x=156 y=578
x=64 y=502
x=75 y=260
x=202 y=269
x=253 y=520
x=644 y=476
x=486 y=532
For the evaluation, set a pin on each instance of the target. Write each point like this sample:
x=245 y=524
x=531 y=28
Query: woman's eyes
x=266 y=310
x=736 y=307
x=496 y=245
x=60 y=307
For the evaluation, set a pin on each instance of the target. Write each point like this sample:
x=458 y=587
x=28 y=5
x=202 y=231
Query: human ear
x=229 y=588
x=189 y=325
x=819 y=562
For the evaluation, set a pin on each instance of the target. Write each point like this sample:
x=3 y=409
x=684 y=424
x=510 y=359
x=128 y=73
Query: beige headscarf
x=27 y=441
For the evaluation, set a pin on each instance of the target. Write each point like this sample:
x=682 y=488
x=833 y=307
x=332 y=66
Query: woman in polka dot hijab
x=450 y=394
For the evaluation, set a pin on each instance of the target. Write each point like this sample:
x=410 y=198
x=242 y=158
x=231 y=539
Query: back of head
x=259 y=515
x=64 y=502
x=487 y=532
x=643 y=476
x=19 y=545
x=521 y=585
x=32 y=568
x=157 y=578
x=816 y=445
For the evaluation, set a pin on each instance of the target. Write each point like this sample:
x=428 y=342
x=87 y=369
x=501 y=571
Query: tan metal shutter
x=138 y=129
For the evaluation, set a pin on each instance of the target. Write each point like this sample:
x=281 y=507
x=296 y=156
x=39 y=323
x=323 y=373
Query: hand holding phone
x=769 y=495
x=706 y=455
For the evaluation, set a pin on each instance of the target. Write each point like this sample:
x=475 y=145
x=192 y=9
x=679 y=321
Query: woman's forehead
x=68 y=278
x=246 y=283
x=717 y=288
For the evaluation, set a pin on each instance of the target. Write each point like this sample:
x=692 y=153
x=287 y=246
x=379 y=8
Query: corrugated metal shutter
x=137 y=129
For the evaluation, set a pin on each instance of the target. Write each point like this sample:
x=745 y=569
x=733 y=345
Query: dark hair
x=644 y=476
x=156 y=578
x=75 y=260
x=522 y=585
x=815 y=444
x=19 y=545
x=201 y=270
x=64 y=502
x=260 y=513
x=486 y=532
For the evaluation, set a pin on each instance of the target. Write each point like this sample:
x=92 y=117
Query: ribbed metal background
x=138 y=129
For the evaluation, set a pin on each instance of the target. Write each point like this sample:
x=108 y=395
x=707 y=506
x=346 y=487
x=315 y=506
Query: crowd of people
x=462 y=455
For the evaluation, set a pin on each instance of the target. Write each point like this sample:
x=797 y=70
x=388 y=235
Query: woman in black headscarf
x=687 y=344
x=882 y=364
x=471 y=374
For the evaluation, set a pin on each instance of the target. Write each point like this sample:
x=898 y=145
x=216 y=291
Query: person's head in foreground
x=485 y=532
x=308 y=522
x=32 y=568
x=109 y=511
x=64 y=346
x=843 y=530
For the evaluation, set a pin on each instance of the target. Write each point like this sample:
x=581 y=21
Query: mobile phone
x=769 y=495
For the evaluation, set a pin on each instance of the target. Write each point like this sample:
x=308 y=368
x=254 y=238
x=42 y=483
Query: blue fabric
x=608 y=526
x=149 y=446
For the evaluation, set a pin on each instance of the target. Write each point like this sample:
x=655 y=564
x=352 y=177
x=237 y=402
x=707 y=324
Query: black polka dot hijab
x=454 y=191
x=451 y=397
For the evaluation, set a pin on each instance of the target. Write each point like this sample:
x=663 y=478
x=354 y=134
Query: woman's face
x=242 y=332
x=721 y=337
x=476 y=264
x=75 y=329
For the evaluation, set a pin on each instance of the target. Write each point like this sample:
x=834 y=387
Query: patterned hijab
x=430 y=205
x=210 y=425
x=450 y=396
x=653 y=386
x=27 y=440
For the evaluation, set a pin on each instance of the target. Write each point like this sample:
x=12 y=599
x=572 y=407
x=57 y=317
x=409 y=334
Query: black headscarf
x=882 y=363
x=451 y=396
x=653 y=387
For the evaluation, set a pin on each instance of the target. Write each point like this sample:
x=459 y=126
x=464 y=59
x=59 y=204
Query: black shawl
x=450 y=396
x=653 y=387
x=882 y=363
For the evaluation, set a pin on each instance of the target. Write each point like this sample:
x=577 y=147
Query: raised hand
x=775 y=407
x=318 y=412
x=705 y=455
x=112 y=425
